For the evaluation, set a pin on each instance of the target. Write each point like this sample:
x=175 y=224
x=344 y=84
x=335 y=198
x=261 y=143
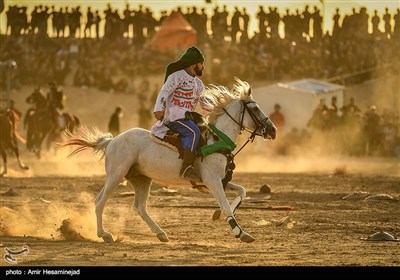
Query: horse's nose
x=271 y=134
x=274 y=132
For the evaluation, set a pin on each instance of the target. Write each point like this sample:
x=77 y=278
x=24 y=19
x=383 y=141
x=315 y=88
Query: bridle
x=259 y=123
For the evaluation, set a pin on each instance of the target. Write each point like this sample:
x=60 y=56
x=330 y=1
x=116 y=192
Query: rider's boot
x=187 y=170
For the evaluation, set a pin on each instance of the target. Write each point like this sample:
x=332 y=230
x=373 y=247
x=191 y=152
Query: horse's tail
x=96 y=140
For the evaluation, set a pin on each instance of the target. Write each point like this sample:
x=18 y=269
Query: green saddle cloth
x=224 y=144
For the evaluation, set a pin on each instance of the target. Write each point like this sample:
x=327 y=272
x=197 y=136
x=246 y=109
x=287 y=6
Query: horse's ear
x=247 y=93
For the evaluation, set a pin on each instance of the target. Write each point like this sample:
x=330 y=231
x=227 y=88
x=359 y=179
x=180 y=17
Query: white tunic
x=179 y=94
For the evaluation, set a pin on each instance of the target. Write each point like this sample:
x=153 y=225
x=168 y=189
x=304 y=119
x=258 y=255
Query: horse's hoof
x=1 y=175
x=25 y=167
x=216 y=215
x=245 y=237
x=108 y=238
x=162 y=237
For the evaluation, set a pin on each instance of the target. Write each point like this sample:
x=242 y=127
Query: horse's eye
x=255 y=109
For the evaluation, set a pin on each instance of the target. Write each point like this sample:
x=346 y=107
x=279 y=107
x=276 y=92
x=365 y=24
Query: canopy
x=174 y=33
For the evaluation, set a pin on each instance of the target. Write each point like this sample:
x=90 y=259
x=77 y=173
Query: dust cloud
x=383 y=92
x=57 y=163
x=314 y=156
x=46 y=221
x=317 y=164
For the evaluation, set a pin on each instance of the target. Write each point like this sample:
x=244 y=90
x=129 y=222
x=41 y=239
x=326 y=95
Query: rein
x=240 y=123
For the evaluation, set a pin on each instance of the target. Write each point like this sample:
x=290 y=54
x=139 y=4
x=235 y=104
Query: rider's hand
x=159 y=115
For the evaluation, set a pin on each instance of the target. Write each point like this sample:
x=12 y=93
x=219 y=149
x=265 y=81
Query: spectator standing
x=371 y=130
x=278 y=118
x=114 y=122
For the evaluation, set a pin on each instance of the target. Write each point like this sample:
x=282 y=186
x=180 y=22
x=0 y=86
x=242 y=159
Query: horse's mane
x=215 y=97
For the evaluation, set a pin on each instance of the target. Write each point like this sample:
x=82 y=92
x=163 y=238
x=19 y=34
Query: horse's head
x=252 y=118
x=239 y=105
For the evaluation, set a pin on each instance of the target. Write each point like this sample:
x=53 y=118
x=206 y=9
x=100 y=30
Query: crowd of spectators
x=51 y=43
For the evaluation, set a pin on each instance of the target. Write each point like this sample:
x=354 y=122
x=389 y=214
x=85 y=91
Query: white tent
x=298 y=99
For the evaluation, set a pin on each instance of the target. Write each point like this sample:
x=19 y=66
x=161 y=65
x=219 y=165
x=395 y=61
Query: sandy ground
x=54 y=216
x=50 y=208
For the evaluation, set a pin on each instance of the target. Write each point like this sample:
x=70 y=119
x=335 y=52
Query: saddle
x=223 y=145
x=172 y=140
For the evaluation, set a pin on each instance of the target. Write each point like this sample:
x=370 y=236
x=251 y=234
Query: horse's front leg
x=241 y=191
x=215 y=185
x=38 y=144
x=20 y=163
x=50 y=139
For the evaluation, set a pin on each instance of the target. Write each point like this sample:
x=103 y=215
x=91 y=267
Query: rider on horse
x=55 y=102
x=180 y=94
x=39 y=103
x=37 y=99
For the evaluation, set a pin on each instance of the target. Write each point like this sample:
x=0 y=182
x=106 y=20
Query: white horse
x=135 y=156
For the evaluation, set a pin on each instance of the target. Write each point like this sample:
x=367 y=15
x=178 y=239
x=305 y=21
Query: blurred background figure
x=114 y=122
x=278 y=118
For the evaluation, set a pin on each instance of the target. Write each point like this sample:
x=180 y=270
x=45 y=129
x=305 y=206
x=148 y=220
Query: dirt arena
x=50 y=208
x=54 y=215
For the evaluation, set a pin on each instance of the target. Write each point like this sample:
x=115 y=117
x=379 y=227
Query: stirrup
x=189 y=174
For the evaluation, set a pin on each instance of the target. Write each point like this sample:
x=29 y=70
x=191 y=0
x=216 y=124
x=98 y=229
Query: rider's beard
x=199 y=72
